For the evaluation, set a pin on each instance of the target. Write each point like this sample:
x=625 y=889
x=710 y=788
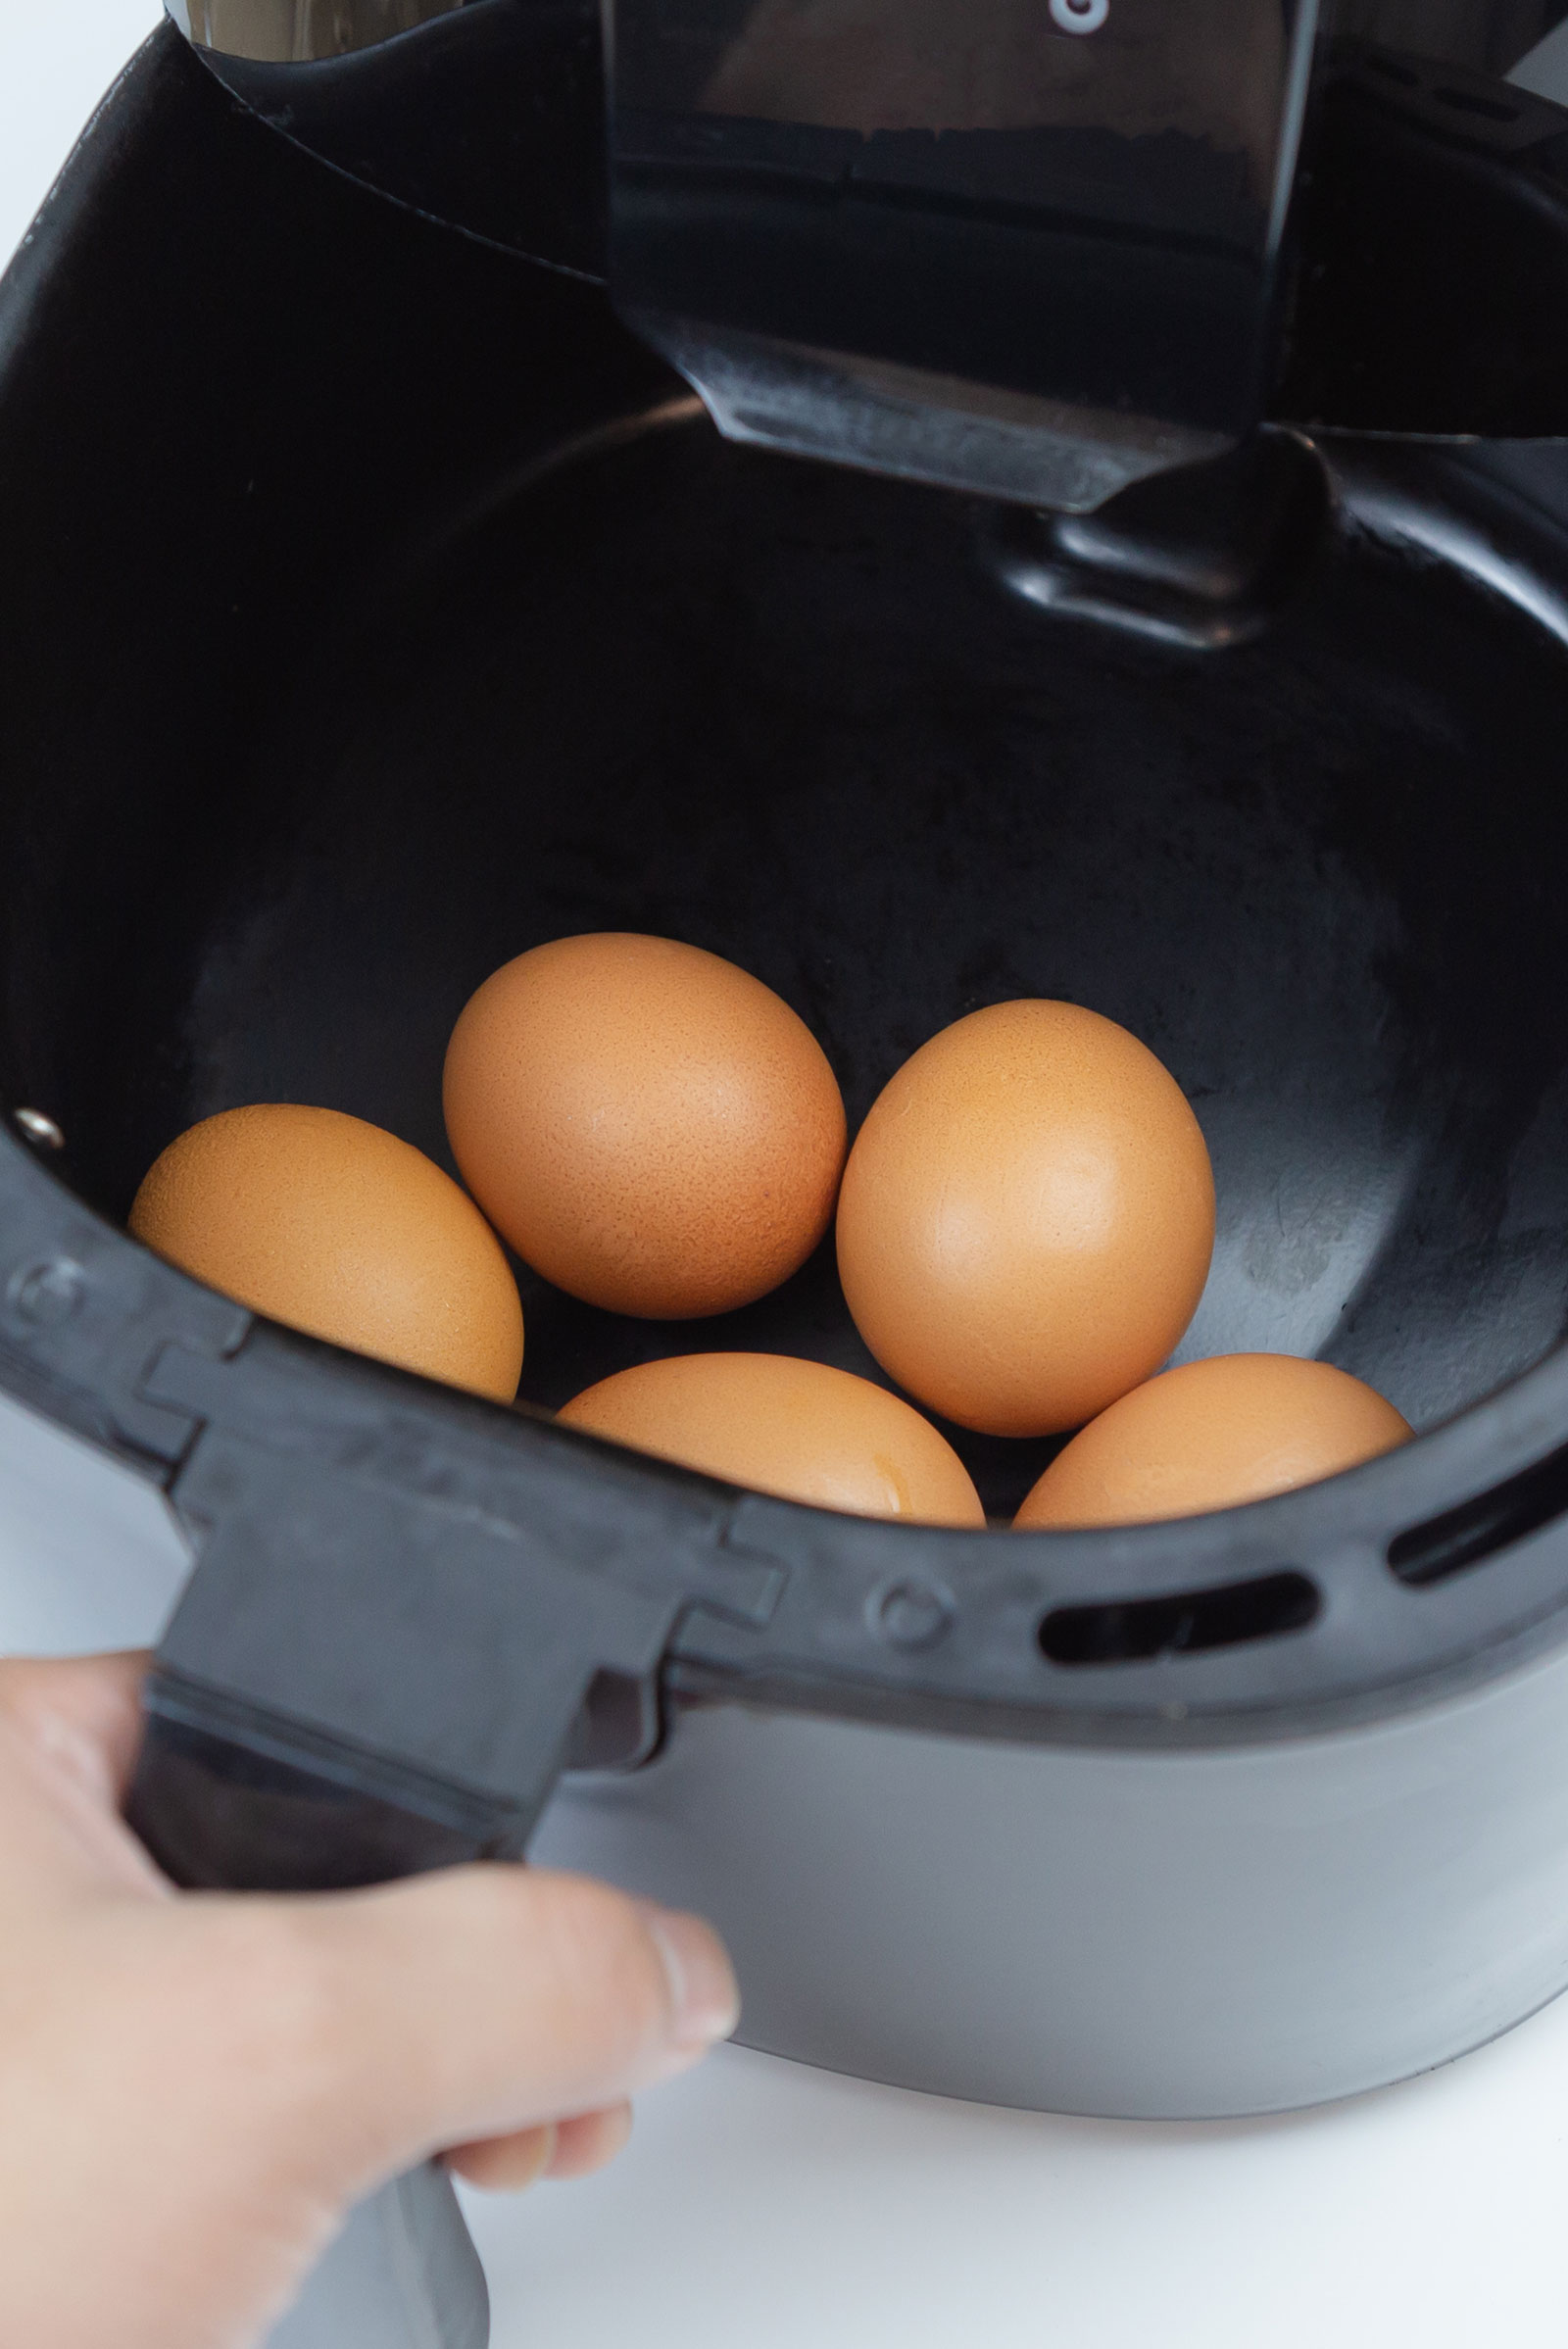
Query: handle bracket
x=399 y=1632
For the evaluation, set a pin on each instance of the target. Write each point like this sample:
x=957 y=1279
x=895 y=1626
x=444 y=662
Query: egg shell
x=1211 y=1435
x=1027 y=1219
x=327 y=1223
x=649 y=1127
x=787 y=1426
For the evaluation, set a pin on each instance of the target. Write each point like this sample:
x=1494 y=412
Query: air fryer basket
x=374 y=608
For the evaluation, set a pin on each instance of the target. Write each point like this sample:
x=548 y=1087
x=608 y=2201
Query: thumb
x=484 y=2001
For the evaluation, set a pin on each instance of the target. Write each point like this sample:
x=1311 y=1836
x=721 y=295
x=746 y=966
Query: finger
x=83 y=1712
x=573 y=2148
x=507 y=2165
x=479 y=2003
x=68 y=1733
x=590 y=2142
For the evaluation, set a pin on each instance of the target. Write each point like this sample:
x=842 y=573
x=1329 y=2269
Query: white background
x=765 y=2207
x=57 y=58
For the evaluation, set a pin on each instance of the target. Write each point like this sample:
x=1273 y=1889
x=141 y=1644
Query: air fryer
x=1081 y=559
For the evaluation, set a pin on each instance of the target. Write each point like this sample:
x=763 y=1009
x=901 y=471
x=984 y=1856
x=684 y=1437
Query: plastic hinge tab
x=387 y=1655
x=83 y=1315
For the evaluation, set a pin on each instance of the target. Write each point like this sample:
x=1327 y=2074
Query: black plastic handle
x=406 y=1617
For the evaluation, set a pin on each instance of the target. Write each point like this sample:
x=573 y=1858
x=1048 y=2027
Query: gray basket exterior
x=1140 y=1936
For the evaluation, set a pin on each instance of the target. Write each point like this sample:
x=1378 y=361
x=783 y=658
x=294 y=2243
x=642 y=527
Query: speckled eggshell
x=339 y=1229
x=651 y=1128
x=1211 y=1435
x=1027 y=1218
x=786 y=1427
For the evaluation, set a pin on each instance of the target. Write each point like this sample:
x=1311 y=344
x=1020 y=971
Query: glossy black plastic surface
x=219 y=1810
x=1202 y=557
x=1432 y=290
x=492 y=118
x=1103 y=248
x=1089 y=216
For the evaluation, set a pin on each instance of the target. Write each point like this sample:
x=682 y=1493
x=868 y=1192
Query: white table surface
x=762 y=2206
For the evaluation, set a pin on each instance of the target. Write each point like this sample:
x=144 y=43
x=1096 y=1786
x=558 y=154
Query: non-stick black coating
x=405 y=720
x=788 y=716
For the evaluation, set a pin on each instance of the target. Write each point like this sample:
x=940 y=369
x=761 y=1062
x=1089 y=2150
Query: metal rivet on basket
x=40 y=1129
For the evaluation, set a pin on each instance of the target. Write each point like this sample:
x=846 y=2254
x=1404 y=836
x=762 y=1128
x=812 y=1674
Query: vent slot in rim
x=1445 y=1545
x=1135 y=1631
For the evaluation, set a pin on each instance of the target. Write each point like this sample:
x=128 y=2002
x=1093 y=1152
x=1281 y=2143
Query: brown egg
x=1211 y=1435
x=339 y=1229
x=1027 y=1219
x=652 y=1129
x=786 y=1427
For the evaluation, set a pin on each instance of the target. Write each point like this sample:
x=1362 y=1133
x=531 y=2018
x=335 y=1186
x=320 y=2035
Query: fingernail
x=704 y=1998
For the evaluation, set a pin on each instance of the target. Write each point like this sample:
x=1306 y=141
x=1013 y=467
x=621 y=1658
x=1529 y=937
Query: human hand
x=195 y=2088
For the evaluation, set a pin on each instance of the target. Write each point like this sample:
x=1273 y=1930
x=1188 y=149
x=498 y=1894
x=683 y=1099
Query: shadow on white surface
x=763 y=2205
